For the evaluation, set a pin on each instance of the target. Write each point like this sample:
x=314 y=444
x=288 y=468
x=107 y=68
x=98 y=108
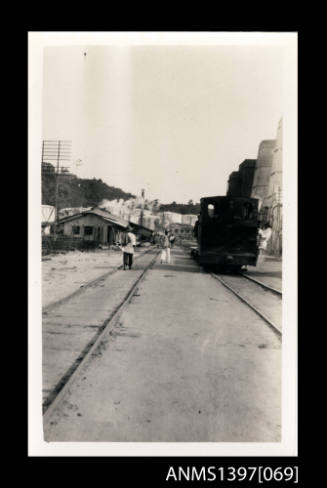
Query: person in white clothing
x=165 y=248
x=264 y=236
x=129 y=241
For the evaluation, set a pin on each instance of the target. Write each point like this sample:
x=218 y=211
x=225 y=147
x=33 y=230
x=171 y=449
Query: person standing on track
x=165 y=248
x=129 y=241
x=172 y=239
x=196 y=228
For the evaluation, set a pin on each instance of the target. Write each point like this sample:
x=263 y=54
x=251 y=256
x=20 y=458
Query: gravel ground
x=187 y=362
x=269 y=271
x=62 y=274
x=265 y=301
x=69 y=327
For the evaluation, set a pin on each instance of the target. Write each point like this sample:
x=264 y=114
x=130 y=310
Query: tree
x=79 y=192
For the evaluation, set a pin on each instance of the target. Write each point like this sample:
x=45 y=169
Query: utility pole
x=56 y=189
x=56 y=151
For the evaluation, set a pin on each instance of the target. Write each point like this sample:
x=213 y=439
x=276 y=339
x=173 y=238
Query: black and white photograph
x=162 y=243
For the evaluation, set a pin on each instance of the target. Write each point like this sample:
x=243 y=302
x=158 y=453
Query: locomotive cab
x=227 y=231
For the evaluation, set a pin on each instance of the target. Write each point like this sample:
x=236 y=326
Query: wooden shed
x=97 y=225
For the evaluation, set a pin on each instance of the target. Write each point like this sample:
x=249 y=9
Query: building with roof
x=274 y=199
x=240 y=182
x=189 y=219
x=260 y=186
x=95 y=225
x=67 y=212
x=142 y=232
x=168 y=218
x=181 y=231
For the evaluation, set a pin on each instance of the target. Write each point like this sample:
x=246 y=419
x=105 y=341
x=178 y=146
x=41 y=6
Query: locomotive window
x=211 y=210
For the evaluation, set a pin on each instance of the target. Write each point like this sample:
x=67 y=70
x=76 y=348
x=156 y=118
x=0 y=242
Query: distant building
x=275 y=184
x=151 y=221
x=267 y=187
x=246 y=170
x=261 y=178
x=240 y=182
x=136 y=210
x=274 y=199
x=141 y=231
x=189 y=219
x=260 y=186
x=66 y=212
x=168 y=218
x=146 y=213
x=181 y=231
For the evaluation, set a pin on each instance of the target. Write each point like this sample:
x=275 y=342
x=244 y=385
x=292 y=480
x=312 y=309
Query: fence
x=51 y=244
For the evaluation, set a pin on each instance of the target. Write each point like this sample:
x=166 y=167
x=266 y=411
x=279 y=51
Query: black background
x=152 y=471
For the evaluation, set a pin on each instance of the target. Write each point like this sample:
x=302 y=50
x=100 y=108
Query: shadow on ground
x=277 y=274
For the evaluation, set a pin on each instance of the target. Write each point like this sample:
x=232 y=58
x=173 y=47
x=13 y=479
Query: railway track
x=77 y=292
x=249 y=302
x=263 y=285
x=56 y=396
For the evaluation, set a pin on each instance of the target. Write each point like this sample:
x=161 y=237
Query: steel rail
x=82 y=288
x=61 y=389
x=250 y=305
x=263 y=285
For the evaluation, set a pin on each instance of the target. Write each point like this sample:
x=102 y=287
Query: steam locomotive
x=227 y=232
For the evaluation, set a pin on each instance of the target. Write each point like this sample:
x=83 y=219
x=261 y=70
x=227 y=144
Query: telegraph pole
x=56 y=151
x=56 y=189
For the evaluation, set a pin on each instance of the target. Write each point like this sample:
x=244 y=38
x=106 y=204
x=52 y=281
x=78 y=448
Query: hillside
x=80 y=192
x=77 y=192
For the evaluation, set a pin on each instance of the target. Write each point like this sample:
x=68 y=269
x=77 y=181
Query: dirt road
x=187 y=362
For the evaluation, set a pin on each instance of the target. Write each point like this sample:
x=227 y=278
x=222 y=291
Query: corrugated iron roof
x=104 y=214
x=134 y=224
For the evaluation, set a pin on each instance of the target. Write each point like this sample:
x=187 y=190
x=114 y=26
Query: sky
x=174 y=120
